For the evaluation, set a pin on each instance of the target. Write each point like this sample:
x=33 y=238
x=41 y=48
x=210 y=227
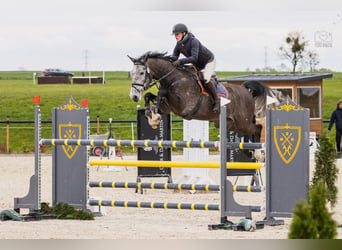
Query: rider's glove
x=176 y=63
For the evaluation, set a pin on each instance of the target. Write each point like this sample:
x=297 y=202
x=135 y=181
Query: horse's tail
x=262 y=94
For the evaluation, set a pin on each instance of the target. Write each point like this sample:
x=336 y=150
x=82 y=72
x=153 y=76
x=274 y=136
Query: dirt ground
x=132 y=223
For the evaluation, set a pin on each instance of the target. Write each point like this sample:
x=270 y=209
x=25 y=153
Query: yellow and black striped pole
x=171 y=186
x=149 y=143
x=163 y=205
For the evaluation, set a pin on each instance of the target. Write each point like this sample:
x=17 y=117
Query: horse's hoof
x=154 y=109
x=148 y=113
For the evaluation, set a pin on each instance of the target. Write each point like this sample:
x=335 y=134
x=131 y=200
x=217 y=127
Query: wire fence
x=18 y=136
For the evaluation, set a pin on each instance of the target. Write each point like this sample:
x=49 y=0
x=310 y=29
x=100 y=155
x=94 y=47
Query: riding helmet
x=179 y=28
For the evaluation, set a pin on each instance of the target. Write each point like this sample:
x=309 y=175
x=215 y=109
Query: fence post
x=132 y=134
x=7 y=139
x=98 y=125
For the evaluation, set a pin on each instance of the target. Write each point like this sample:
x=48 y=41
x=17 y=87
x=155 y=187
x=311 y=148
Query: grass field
x=110 y=100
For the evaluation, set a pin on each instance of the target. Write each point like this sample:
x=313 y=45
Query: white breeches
x=209 y=70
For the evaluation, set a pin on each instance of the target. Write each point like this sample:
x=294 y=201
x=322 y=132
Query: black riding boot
x=212 y=91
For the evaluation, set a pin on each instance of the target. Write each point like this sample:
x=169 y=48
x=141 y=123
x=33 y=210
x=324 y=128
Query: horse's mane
x=163 y=55
x=157 y=55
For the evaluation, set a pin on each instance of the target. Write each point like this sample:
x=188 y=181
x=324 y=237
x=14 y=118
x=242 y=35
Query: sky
x=98 y=35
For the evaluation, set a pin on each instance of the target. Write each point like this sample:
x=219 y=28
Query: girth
x=196 y=108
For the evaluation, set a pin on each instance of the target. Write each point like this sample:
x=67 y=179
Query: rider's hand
x=176 y=63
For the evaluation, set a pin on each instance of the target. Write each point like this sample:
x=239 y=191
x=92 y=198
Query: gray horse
x=179 y=93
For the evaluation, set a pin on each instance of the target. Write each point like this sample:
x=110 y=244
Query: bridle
x=147 y=77
x=150 y=78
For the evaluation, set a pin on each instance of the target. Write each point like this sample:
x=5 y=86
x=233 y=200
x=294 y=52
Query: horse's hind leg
x=164 y=106
x=230 y=124
x=256 y=135
x=259 y=154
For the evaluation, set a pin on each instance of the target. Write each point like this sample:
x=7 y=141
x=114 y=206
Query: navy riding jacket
x=194 y=51
x=337 y=118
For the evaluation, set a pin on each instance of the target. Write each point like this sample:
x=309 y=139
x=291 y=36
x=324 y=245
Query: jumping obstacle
x=171 y=186
x=175 y=164
x=195 y=130
x=165 y=205
x=32 y=200
x=287 y=161
x=149 y=143
x=146 y=132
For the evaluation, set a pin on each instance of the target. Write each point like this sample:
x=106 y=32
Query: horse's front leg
x=148 y=97
x=156 y=117
x=156 y=103
x=152 y=113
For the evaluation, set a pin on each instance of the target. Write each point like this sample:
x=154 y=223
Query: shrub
x=318 y=197
x=303 y=226
x=311 y=219
x=63 y=210
x=326 y=169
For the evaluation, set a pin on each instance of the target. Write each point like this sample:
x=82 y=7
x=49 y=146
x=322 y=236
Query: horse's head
x=141 y=78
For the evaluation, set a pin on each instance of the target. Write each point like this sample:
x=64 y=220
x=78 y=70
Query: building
x=304 y=89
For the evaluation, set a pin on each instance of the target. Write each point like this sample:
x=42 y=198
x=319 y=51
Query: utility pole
x=265 y=57
x=86 y=60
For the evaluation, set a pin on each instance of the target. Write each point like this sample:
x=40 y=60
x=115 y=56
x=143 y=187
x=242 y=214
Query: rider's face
x=179 y=36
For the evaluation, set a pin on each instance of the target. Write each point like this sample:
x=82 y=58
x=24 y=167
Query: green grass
x=108 y=101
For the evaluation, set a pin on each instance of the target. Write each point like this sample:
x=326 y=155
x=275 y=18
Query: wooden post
x=98 y=125
x=7 y=141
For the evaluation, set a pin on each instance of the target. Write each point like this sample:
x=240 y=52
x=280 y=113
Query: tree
x=312 y=60
x=303 y=226
x=294 y=49
x=311 y=219
x=325 y=168
x=326 y=225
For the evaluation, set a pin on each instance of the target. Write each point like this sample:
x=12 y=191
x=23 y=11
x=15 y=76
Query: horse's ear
x=132 y=59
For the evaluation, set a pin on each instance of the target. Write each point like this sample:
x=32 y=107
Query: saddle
x=198 y=76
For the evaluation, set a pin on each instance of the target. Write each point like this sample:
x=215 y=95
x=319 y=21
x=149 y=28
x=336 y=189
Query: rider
x=195 y=53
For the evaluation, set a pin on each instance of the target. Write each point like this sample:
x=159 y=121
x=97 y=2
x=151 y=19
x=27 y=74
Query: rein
x=199 y=102
x=161 y=78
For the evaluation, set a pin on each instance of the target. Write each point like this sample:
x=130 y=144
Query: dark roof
x=280 y=77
